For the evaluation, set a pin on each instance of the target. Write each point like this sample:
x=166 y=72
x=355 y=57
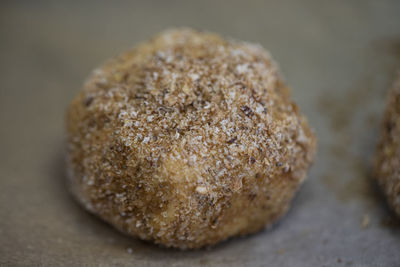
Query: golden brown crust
x=387 y=162
x=187 y=140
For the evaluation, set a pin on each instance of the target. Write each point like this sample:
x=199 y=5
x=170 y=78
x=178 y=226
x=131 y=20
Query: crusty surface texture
x=388 y=153
x=187 y=140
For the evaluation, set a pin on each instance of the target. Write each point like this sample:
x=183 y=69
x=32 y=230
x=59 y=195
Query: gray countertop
x=339 y=57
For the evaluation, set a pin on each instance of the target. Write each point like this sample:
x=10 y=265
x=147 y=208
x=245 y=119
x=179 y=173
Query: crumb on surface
x=365 y=221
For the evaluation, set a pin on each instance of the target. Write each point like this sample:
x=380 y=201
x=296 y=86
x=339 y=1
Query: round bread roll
x=388 y=154
x=187 y=140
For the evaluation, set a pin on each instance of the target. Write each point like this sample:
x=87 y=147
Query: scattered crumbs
x=365 y=221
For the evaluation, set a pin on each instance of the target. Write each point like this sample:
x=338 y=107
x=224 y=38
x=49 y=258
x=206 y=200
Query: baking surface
x=339 y=57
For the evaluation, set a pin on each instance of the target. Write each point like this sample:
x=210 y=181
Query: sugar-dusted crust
x=387 y=162
x=187 y=140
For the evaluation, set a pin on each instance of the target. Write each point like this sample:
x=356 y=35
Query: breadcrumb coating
x=187 y=140
x=387 y=162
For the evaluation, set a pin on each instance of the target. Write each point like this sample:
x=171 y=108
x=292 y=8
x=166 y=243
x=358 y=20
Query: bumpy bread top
x=187 y=111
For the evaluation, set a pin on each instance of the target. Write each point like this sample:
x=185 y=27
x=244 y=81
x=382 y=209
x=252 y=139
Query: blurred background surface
x=339 y=57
